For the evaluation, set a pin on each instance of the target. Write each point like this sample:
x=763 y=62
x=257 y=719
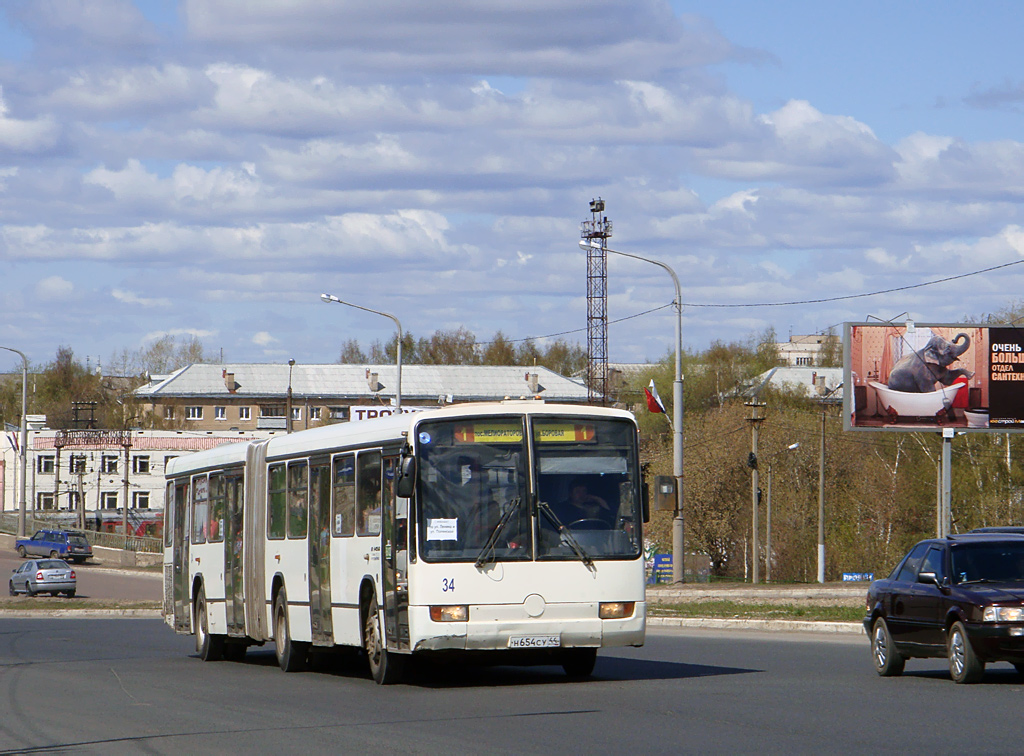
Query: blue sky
x=209 y=167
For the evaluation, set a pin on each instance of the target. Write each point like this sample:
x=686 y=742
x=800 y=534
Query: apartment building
x=251 y=397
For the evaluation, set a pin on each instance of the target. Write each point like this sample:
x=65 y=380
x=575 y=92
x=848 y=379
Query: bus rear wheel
x=291 y=655
x=385 y=667
x=579 y=662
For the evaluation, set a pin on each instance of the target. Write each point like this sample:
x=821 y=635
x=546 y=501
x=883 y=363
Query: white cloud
x=54 y=288
x=128 y=297
x=112 y=92
x=25 y=135
x=264 y=339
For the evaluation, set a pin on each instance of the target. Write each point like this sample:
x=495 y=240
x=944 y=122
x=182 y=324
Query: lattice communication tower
x=596 y=232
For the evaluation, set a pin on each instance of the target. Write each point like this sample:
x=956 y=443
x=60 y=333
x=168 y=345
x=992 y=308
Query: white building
x=802 y=351
x=101 y=468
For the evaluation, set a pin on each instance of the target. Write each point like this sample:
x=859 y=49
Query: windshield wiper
x=487 y=552
x=566 y=535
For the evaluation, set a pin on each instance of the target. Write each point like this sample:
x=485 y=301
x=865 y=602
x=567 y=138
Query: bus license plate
x=534 y=641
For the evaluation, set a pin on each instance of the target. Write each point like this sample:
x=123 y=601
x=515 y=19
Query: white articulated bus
x=511 y=527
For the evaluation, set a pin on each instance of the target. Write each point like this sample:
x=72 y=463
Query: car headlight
x=1003 y=614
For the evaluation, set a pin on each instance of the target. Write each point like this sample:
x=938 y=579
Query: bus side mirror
x=645 y=499
x=406 y=477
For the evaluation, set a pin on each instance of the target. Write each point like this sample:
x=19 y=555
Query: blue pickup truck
x=58 y=544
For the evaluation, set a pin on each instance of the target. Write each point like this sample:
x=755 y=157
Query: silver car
x=42 y=576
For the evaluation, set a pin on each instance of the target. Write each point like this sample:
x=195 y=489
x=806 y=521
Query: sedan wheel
x=13 y=592
x=964 y=665
x=888 y=661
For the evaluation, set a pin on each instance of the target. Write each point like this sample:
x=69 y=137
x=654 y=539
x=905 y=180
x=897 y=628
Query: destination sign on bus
x=565 y=432
x=495 y=433
x=512 y=433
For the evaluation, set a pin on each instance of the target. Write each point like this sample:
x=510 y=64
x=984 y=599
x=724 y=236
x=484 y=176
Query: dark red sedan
x=960 y=597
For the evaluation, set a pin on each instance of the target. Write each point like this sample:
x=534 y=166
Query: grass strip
x=738 y=610
x=50 y=603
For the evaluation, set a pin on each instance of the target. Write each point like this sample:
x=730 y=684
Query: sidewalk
x=847 y=594
x=811 y=593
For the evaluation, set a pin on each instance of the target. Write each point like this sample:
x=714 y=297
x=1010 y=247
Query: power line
x=861 y=296
x=785 y=304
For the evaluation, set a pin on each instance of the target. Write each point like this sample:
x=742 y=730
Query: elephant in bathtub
x=919 y=371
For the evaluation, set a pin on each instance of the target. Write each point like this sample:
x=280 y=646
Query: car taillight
x=72 y=574
x=39 y=575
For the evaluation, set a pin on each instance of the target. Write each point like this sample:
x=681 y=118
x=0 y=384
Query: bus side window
x=276 y=502
x=298 y=500
x=200 y=507
x=344 y=511
x=218 y=501
x=368 y=481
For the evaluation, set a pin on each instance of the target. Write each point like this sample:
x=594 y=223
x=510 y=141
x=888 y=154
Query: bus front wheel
x=291 y=655
x=385 y=667
x=210 y=647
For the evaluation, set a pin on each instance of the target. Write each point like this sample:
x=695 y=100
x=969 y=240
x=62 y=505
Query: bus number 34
x=448 y=584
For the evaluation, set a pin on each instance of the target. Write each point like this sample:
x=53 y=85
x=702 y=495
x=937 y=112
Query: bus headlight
x=615 y=609
x=449 y=613
x=1003 y=614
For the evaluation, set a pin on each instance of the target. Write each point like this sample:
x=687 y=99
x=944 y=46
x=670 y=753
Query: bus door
x=179 y=551
x=320 y=552
x=395 y=564
x=233 y=532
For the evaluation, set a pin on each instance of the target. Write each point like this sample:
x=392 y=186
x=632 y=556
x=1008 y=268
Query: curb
x=699 y=623
x=787 y=626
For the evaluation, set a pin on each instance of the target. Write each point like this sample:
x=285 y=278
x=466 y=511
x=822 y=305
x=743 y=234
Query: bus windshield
x=480 y=498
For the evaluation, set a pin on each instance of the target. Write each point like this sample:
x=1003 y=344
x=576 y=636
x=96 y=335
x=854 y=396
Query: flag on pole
x=654 y=403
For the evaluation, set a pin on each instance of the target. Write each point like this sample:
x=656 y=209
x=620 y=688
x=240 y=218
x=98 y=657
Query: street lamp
x=768 y=524
x=821 y=489
x=24 y=438
x=398 y=391
x=288 y=410
x=678 y=572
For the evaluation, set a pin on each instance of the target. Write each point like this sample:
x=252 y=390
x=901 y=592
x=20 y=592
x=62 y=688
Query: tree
x=831 y=354
x=527 y=353
x=456 y=347
x=63 y=381
x=767 y=355
x=351 y=354
x=564 y=358
x=500 y=351
x=163 y=356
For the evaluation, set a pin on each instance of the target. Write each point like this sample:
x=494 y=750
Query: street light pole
x=24 y=439
x=821 y=502
x=768 y=524
x=678 y=553
x=288 y=410
x=398 y=390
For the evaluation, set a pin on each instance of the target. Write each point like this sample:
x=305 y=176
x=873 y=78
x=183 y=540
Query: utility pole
x=821 y=502
x=755 y=424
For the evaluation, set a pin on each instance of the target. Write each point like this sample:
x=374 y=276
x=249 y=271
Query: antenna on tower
x=596 y=232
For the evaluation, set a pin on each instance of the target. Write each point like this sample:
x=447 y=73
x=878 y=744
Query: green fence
x=140 y=544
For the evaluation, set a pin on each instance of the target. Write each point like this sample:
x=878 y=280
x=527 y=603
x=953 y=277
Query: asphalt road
x=95 y=581
x=133 y=686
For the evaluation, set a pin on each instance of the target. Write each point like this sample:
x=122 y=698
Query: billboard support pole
x=947 y=481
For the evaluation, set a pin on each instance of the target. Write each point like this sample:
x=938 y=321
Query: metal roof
x=420 y=383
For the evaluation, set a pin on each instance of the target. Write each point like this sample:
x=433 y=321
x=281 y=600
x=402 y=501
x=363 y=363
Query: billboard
x=931 y=376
